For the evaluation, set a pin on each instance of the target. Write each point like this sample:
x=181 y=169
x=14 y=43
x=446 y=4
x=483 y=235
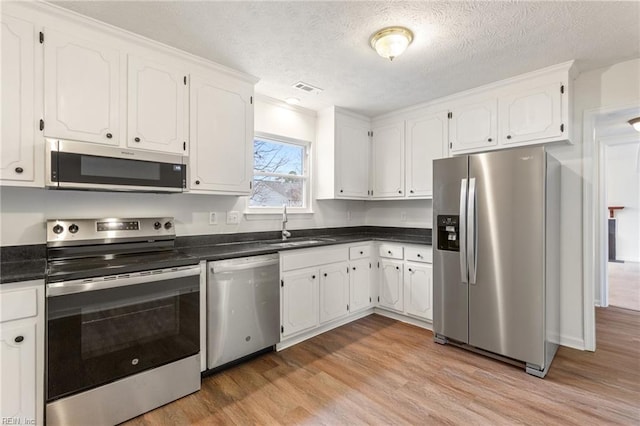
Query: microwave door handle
x=472 y=215
x=463 y=231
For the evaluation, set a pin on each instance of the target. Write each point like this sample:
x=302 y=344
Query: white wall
x=24 y=211
x=405 y=213
x=623 y=189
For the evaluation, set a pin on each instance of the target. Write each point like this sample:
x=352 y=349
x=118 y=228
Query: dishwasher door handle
x=231 y=266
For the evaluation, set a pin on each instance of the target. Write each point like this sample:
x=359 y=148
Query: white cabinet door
x=360 y=294
x=474 y=126
x=81 y=89
x=418 y=290
x=387 y=147
x=156 y=107
x=531 y=114
x=390 y=284
x=334 y=291
x=17 y=136
x=299 y=300
x=426 y=139
x=221 y=157
x=352 y=157
x=18 y=386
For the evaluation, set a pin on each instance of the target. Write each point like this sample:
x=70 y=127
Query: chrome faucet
x=285 y=234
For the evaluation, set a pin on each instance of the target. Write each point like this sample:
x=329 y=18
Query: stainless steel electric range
x=123 y=322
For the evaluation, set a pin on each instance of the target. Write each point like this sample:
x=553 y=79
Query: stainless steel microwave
x=79 y=165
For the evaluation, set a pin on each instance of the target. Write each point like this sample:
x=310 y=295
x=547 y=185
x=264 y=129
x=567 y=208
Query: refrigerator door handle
x=463 y=231
x=472 y=243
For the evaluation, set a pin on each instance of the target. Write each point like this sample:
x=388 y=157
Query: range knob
x=73 y=228
x=58 y=229
x=157 y=225
x=168 y=225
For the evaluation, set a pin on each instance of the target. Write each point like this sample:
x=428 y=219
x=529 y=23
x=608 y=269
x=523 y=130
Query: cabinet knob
x=19 y=170
x=361 y=252
x=197 y=182
x=399 y=192
x=341 y=191
x=489 y=140
x=410 y=270
x=411 y=191
x=313 y=277
x=109 y=135
x=389 y=252
x=19 y=339
x=325 y=274
x=397 y=267
x=354 y=268
x=419 y=255
x=137 y=139
x=508 y=136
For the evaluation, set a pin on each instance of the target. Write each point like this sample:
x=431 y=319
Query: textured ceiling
x=457 y=45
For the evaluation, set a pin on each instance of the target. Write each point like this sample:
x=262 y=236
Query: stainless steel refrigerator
x=496 y=254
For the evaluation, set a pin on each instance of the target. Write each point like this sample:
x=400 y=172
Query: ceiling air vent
x=307 y=88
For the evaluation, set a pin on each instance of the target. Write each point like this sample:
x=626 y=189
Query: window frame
x=305 y=177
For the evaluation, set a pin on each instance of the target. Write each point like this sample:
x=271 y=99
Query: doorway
x=621 y=172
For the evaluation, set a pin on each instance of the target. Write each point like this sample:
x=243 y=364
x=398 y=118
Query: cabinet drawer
x=390 y=251
x=359 y=252
x=305 y=258
x=419 y=254
x=18 y=304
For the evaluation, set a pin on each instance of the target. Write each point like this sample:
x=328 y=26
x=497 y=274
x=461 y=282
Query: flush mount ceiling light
x=292 y=101
x=635 y=122
x=391 y=41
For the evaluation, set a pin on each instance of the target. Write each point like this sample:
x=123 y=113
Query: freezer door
x=450 y=289
x=506 y=253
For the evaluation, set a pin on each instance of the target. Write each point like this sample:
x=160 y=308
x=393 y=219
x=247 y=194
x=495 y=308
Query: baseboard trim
x=404 y=318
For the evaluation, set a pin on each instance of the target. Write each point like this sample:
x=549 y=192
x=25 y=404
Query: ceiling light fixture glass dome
x=635 y=122
x=391 y=42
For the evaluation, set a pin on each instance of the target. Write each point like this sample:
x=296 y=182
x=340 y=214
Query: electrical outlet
x=403 y=216
x=213 y=218
x=233 y=218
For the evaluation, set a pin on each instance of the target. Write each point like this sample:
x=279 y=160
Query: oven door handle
x=113 y=281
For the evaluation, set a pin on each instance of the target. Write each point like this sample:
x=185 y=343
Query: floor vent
x=307 y=88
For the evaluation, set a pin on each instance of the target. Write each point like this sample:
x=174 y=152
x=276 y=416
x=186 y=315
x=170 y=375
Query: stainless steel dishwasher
x=243 y=307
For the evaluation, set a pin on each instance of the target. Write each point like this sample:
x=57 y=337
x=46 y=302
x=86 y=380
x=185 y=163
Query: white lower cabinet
x=390 y=284
x=299 y=293
x=406 y=280
x=360 y=285
x=22 y=353
x=334 y=291
x=418 y=290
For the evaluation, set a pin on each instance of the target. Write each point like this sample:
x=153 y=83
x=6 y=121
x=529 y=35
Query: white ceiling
x=457 y=45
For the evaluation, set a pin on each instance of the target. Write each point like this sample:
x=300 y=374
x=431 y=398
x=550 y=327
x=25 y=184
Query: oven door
x=103 y=329
x=76 y=165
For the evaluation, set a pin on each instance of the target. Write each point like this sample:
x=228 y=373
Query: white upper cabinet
x=529 y=109
x=157 y=107
x=426 y=140
x=221 y=129
x=387 y=160
x=81 y=89
x=17 y=137
x=531 y=114
x=474 y=126
x=342 y=152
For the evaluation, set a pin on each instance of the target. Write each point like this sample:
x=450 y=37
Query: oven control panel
x=79 y=231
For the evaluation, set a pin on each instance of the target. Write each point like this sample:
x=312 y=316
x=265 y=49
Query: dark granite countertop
x=23 y=263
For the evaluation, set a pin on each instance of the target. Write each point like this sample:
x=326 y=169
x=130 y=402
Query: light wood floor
x=379 y=371
x=624 y=285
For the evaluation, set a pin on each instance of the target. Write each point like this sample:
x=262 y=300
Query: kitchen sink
x=299 y=242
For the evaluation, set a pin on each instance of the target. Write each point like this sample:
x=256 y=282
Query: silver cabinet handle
x=463 y=231
x=473 y=231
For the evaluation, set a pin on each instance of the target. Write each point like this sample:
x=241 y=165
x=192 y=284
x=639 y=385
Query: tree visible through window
x=279 y=174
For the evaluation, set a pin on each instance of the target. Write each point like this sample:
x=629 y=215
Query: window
x=280 y=174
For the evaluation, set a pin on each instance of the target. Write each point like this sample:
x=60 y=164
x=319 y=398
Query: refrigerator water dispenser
x=449 y=232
